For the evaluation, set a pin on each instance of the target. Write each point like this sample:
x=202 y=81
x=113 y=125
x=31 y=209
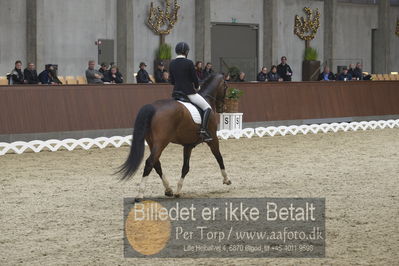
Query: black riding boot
x=204 y=126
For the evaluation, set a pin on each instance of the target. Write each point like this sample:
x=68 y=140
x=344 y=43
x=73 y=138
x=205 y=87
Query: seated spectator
x=351 y=70
x=113 y=76
x=345 y=76
x=16 y=76
x=199 y=72
x=273 y=75
x=262 y=76
x=241 y=77
x=142 y=74
x=227 y=77
x=53 y=73
x=30 y=74
x=159 y=72
x=165 y=77
x=358 y=72
x=93 y=76
x=103 y=69
x=46 y=77
x=326 y=74
x=284 y=70
x=207 y=70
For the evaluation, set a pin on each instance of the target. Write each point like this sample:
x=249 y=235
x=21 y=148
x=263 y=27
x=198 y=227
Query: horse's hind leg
x=168 y=190
x=186 y=167
x=214 y=145
x=147 y=170
x=156 y=150
x=158 y=169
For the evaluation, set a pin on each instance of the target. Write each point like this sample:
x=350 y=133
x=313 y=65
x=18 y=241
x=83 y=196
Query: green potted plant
x=310 y=65
x=163 y=54
x=231 y=101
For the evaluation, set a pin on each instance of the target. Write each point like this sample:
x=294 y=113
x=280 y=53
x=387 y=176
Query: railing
x=36 y=146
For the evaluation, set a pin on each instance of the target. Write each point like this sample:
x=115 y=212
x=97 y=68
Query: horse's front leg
x=186 y=167
x=214 y=145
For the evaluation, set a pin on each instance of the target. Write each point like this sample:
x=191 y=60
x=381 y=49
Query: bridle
x=219 y=102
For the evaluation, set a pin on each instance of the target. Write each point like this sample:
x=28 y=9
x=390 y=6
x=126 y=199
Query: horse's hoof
x=169 y=193
x=228 y=182
x=177 y=195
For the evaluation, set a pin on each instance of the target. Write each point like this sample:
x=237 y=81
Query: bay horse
x=168 y=121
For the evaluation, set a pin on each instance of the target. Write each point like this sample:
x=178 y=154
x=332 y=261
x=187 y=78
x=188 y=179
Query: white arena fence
x=20 y=147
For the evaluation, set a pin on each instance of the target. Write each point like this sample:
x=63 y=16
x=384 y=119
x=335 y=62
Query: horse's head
x=214 y=90
x=221 y=94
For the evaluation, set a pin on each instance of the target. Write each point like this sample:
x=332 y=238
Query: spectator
x=103 y=69
x=207 y=70
x=142 y=74
x=159 y=73
x=93 y=76
x=113 y=76
x=326 y=74
x=262 y=76
x=358 y=72
x=165 y=77
x=273 y=75
x=30 y=74
x=351 y=70
x=241 y=77
x=284 y=70
x=16 y=76
x=227 y=77
x=53 y=74
x=199 y=71
x=45 y=77
x=345 y=76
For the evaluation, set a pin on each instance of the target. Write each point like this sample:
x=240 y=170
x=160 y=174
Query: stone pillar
x=203 y=30
x=124 y=39
x=269 y=33
x=31 y=31
x=382 y=45
x=330 y=14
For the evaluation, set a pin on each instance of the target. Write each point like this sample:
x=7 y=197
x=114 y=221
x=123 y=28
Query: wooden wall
x=39 y=109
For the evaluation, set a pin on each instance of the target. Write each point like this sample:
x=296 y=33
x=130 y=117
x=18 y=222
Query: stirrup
x=205 y=135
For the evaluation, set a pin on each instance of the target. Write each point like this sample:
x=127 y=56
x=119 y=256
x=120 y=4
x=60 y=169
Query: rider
x=185 y=81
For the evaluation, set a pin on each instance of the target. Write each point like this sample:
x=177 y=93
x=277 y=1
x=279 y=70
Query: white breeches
x=199 y=100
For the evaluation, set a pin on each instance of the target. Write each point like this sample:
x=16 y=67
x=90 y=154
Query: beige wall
x=394 y=65
x=67 y=30
x=288 y=43
x=353 y=37
x=146 y=41
x=12 y=34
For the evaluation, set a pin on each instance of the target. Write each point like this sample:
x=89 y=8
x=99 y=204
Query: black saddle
x=179 y=96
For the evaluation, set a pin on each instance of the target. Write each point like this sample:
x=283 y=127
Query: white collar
x=181 y=56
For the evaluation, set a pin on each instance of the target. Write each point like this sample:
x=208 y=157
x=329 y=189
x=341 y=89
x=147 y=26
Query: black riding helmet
x=182 y=48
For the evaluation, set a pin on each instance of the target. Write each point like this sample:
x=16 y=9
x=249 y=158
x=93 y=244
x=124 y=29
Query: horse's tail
x=141 y=128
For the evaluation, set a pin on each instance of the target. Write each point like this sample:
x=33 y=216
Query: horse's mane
x=207 y=83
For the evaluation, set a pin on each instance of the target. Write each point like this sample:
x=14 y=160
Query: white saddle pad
x=193 y=111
